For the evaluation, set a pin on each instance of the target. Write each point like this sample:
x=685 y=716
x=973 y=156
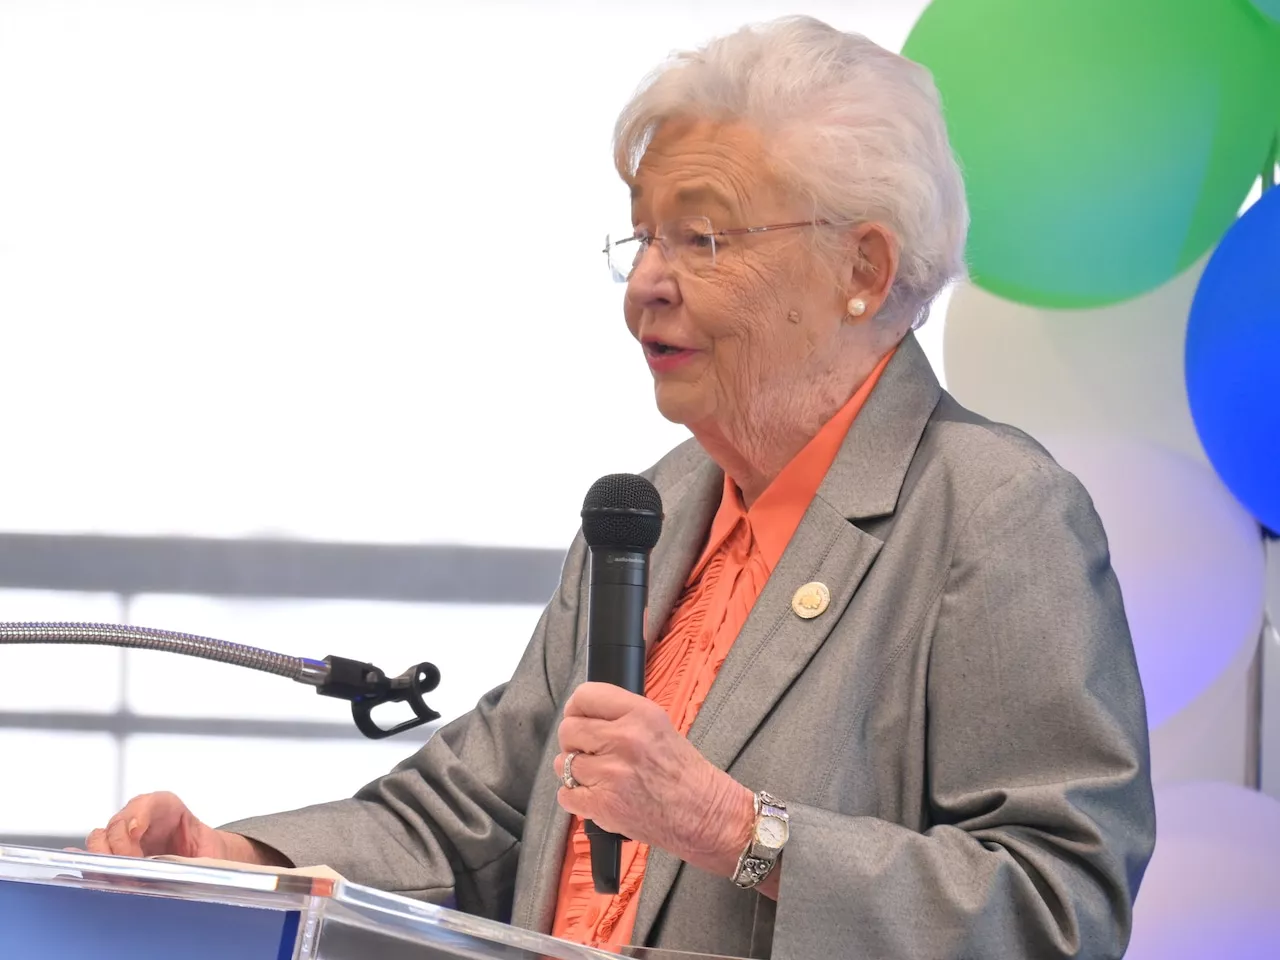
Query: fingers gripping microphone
x=621 y=521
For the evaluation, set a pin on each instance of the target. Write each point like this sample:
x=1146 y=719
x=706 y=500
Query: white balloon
x=1209 y=738
x=1117 y=368
x=1212 y=889
x=1189 y=559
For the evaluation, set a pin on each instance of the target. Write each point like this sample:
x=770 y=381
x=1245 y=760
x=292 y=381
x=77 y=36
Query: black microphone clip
x=367 y=687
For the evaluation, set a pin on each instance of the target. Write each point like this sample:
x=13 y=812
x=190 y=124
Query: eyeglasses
x=689 y=244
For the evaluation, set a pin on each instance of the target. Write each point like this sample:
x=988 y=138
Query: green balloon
x=1106 y=144
x=1268 y=8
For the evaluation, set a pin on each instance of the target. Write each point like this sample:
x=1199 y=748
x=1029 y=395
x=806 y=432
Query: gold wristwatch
x=768 y=835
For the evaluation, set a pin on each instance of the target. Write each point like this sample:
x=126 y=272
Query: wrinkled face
x=725 y=343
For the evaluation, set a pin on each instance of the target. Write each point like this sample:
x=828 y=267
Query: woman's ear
x=874 y=264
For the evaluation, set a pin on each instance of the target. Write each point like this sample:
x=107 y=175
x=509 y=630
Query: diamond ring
x=567 y=776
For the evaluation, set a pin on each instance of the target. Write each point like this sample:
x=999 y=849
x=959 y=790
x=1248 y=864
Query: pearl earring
x=857 y=307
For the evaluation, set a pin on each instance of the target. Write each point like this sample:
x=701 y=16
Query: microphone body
x=618 y=593
x=622 y=518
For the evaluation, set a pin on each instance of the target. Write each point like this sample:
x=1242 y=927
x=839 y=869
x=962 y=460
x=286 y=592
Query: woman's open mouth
x=664 y=357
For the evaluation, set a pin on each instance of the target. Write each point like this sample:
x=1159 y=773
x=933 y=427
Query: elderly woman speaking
x=891 y=705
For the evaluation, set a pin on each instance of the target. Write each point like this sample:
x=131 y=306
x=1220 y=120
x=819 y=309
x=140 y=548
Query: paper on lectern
x=320 y=872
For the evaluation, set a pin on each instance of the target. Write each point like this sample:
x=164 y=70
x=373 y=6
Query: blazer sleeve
x=446 y=824
x=1038 y=773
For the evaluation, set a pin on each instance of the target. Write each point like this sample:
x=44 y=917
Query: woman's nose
x=652 y=282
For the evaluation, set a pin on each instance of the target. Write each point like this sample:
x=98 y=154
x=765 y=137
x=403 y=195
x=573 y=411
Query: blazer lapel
x=775 y=645
x=688 y=510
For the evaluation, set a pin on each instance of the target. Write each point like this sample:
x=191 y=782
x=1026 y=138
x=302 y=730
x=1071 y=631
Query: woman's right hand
x=156 y=824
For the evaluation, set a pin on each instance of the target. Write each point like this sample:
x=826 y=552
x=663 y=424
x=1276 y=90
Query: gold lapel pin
x=811 y=600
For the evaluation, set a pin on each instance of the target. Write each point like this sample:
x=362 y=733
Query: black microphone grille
x=622 y=510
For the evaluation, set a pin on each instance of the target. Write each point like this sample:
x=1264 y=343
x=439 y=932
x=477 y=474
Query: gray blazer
x=960 y=738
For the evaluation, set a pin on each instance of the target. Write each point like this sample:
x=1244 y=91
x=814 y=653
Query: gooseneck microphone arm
x=363 y=684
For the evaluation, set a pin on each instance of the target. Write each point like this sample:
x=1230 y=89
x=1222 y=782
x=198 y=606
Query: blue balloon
x=1233 y=359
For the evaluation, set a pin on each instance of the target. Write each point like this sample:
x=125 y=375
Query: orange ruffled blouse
x=742 y=549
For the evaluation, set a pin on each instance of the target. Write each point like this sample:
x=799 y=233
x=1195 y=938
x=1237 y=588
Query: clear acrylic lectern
x=78 y=906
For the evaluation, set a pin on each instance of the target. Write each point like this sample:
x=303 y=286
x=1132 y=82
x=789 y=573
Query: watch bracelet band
x=752 y=869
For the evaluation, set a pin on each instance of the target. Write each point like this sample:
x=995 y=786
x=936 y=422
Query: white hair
x=855 y=130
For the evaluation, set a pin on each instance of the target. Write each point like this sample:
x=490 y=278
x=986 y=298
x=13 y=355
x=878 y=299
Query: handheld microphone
x=621 y=521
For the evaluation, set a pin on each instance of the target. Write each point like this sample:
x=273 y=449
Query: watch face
x=771 y=832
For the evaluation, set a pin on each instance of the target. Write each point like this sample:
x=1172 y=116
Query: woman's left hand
x=638 y=776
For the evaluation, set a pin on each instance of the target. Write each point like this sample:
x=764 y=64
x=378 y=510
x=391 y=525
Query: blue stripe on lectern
x=73 y=923
x=289 y=935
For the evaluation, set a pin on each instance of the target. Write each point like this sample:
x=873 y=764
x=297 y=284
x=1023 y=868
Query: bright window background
x=67 y=782
x=227 y=778
x=63 y=678
x=327 y=270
